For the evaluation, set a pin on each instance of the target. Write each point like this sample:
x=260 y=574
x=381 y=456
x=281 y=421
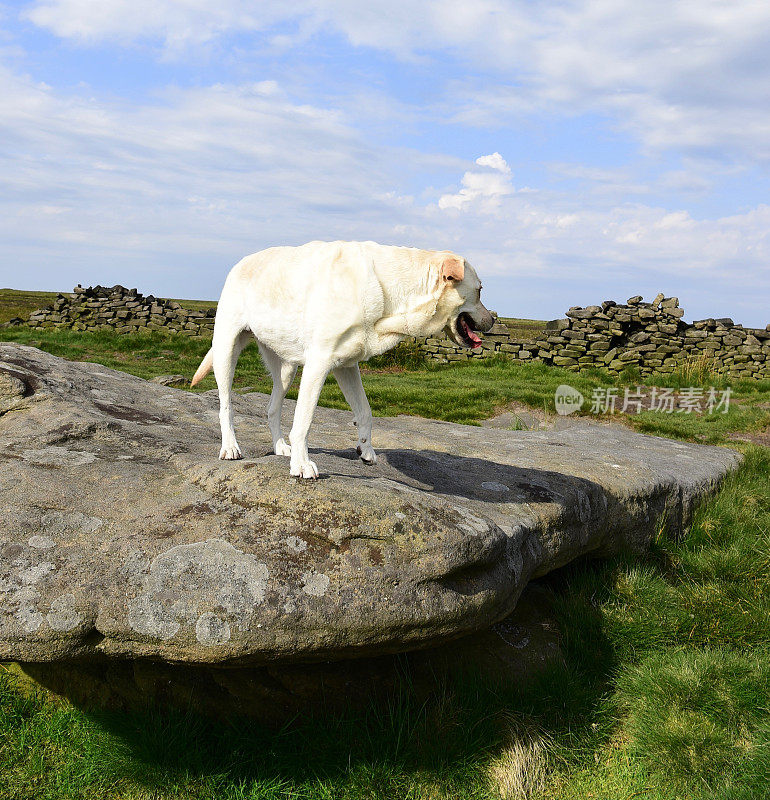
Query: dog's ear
x=452 y=268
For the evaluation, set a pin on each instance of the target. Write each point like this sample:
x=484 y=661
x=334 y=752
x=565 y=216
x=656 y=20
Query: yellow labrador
x=327 y=306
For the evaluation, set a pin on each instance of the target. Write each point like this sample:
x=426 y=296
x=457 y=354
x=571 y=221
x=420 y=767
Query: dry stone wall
x=651 y=337
x=122 y=310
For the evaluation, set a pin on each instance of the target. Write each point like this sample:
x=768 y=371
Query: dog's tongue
x=470 y=334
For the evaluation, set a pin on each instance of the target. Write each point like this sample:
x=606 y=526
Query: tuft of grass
x=701 y=370
x=520 y=770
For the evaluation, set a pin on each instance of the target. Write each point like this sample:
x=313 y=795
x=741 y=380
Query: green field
x=14 y=303
x=523 y=330
x=662 y=691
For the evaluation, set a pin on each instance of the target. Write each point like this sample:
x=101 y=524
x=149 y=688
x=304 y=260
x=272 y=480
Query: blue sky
x=572 y=151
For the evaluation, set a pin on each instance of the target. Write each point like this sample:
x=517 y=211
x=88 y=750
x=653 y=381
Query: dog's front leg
x=313 y=376
x=349 y=379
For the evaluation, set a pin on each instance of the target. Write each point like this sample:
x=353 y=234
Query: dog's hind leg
x=226 y=347
x=314 y=374
x=283 y=374
x=349 y=379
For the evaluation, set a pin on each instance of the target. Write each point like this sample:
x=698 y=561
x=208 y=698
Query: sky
x=573 y=152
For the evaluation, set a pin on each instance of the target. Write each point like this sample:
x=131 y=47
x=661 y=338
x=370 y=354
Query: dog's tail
x=204 y=368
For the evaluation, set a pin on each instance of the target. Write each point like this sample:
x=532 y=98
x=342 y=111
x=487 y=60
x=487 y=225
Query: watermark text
x=661 y=400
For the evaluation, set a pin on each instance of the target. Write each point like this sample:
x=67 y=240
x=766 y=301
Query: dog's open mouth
x=466 y=330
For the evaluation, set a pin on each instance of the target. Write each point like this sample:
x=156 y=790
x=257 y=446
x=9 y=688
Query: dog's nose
x=487 y=320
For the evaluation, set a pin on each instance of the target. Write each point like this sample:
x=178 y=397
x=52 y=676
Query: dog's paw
x=303 y=469
x=230 y=453
x=281 y=448
x=366 y=453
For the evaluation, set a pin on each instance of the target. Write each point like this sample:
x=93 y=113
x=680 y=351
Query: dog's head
x=460 y=300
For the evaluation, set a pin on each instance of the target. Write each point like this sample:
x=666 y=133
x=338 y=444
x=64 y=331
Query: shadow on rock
x=483 y=479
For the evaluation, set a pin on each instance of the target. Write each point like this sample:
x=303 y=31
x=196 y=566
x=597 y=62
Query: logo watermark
x=568 y=400
x=612 y=400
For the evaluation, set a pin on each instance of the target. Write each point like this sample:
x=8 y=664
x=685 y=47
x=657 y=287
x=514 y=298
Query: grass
x=662 y=692
x=15 y=303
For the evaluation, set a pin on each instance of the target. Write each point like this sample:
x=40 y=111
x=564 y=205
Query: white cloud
x=495 y=161
x=482 y=190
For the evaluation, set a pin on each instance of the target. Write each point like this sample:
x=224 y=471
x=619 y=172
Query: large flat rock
x=124 y=536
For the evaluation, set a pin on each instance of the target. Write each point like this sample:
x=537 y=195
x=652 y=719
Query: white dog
x=327 y=306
